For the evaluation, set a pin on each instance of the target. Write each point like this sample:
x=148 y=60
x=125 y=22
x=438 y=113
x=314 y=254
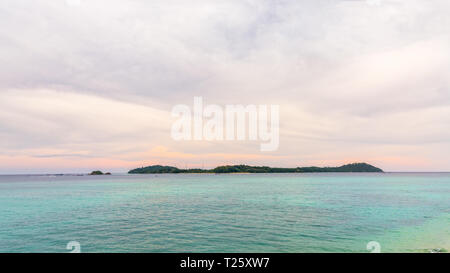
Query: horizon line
x=126 y=173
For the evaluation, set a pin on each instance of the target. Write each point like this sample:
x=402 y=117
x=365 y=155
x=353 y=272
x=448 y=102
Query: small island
x=99 y=173
x=354 y=167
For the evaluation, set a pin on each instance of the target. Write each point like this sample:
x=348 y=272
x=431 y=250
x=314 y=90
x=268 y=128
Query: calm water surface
x=404 y=212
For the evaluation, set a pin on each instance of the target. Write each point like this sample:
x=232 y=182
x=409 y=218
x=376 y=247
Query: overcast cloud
x=90 y=84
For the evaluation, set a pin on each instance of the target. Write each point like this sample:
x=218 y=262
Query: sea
x=173 y=213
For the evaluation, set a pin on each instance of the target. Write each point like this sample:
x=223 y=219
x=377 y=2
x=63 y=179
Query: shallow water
x=403 y=212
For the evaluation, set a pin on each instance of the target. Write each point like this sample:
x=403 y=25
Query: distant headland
x=99 y=173
x=354 y=167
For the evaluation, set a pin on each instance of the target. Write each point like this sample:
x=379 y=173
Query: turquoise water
x=226 y=213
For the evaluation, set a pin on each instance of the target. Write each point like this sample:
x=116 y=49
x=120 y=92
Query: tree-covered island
x=354 y=167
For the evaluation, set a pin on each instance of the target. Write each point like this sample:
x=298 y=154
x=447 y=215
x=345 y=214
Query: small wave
x=437 y=250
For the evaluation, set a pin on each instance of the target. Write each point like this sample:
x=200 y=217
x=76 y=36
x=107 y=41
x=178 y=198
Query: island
x=354 y=167
x=99 y=173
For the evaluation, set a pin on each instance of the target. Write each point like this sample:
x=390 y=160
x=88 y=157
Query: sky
x=90 y=84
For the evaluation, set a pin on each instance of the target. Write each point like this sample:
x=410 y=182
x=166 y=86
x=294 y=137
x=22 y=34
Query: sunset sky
x=91 y=84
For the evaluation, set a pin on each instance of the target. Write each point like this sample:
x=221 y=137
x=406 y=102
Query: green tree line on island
x=354 y=167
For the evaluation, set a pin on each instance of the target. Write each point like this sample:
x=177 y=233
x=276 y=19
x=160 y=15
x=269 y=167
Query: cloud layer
x=86 y=84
